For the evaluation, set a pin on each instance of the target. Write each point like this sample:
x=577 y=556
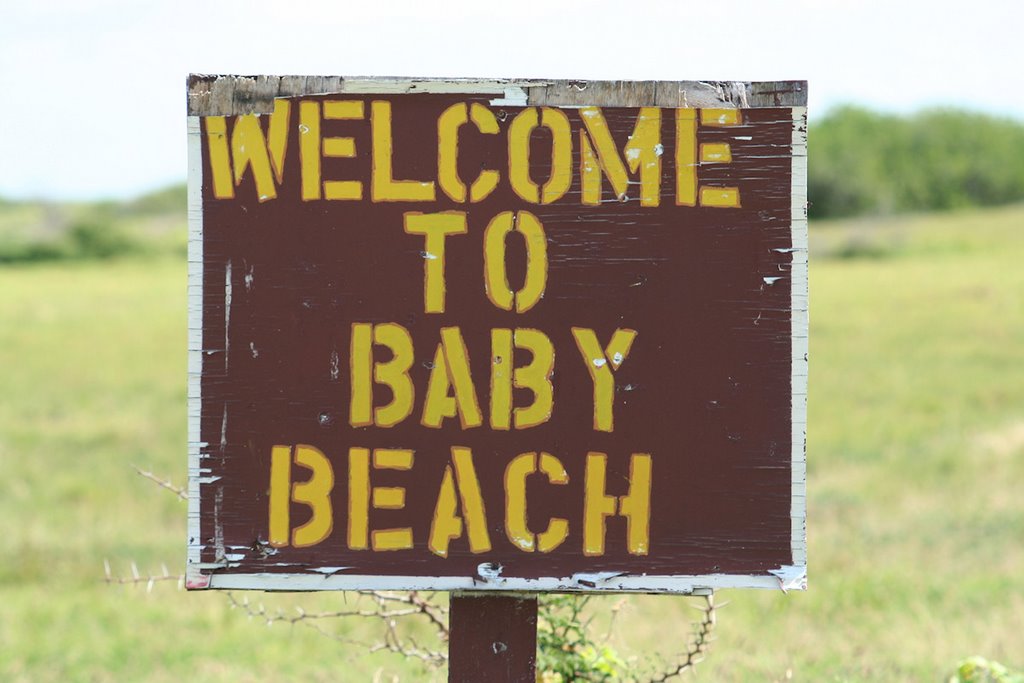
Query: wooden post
x=493 y=638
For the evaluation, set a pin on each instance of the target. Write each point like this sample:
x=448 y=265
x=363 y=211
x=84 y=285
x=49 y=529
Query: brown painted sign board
x=496 y=335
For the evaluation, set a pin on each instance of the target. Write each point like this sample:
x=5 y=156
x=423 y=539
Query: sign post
x=496 y=336
x=493 y=638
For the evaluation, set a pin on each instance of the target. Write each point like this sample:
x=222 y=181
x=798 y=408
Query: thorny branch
x=699 y=644
x=386 y=606
x=137 y=578
x=166 y=483
x=383 y=609
x=615 y=609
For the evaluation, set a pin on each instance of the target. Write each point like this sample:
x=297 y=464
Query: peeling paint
x=335 y=371
x=489 y=571
x=328 y=570
x=227 y=313
x=791 y=577
x=197 y=582
x=218 y=528
x=224 y=429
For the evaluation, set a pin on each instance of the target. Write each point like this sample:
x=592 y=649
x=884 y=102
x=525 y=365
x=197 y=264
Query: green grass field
x=916 y=479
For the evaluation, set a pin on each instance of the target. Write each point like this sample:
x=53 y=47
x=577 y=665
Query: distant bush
x=99 y=239
x=867 y=162
x=83 y=239
x=23 y=252
x=30 y=232
x=167 y=200
x=981 y=670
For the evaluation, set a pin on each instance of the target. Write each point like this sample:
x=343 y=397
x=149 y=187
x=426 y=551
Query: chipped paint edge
x=314 y=580
x=194 y=576
x=796 y=577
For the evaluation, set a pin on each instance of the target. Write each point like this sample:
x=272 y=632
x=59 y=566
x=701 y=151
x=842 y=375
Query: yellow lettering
x=642 y=153
x=280 y=495
x=720 y=197
x=597 y=362
x=361 y=495
x=392 y=539
x=718 y=153
x=360 y=407
x=383 y=186
x=435 y=227
x=719 y=117
x=558 y=528
x=451 y=371
x=501 y=378
x=391 y=498
x=250 y=148
x=358 y=498
x=516 y=527
x=446 y=524
x=715 y=152
x=635 y=506
x=315 y=493
x=388 y=497
x=686 y=157
x=310 y=149
x=495 y=272
x=340 y=147
x=536 y=376
x=516 y=519
x=519 y=133
x=393 y=373
x=448 y=125
x=486 y=123
x=439 y=403
x=220 y=157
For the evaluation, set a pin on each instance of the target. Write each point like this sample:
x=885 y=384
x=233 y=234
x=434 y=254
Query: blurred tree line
x=865 y=162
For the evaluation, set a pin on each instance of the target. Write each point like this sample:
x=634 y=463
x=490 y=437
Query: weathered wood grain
x=228 y=95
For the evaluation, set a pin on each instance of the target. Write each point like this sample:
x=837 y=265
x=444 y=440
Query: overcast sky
x=94 y=90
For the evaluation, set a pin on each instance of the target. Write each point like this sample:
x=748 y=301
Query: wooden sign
x=530 y=336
